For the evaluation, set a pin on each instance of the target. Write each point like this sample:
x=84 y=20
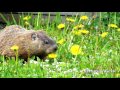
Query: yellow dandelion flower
x=104 y=34
x=76 y=32
x=84 y=17
x=60 y=26
x=52 y=55
x=84 y=31
x=78 y=26
x=14 y=47
x=118 y=29
x=70 y=20
x=26 y=18
x=113 y=25
x=61 y=41
x=75 y=50
x=27 y=23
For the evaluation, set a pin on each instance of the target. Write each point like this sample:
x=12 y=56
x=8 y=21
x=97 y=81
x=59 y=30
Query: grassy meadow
x=88 y=47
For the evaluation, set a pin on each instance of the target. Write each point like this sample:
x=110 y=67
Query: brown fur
x=30 y=42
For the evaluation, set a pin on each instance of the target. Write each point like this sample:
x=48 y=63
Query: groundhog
x=30 y=42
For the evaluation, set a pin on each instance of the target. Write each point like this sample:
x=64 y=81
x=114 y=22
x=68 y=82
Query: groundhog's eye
x=46 y=42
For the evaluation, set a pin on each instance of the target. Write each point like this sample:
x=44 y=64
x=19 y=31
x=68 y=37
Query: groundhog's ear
x=34 y=36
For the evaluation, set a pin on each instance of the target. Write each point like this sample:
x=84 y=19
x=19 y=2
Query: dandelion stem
x=75 y=58
x=16 y=60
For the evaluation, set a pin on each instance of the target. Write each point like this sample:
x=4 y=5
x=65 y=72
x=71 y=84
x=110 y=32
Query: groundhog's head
x=42 y=43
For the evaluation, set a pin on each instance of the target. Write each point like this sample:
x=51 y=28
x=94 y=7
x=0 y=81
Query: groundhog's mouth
x=44 y=56
x=51 y=49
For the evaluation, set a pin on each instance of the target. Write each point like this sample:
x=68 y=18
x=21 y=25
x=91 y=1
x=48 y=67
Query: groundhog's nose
x=55 y=48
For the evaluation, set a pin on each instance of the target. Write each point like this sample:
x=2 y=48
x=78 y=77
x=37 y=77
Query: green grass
x=101 y=58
